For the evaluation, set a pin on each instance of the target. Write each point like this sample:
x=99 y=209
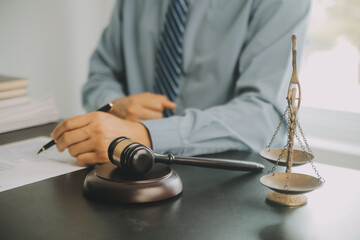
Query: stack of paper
x=28 y=113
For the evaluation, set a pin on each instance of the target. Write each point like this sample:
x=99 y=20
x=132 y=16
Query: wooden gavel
x=136 y=159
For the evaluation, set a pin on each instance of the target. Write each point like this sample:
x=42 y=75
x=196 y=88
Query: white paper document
x=20 y=164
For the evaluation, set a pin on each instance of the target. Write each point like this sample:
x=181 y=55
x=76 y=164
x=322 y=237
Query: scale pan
x=299 y=157
x=296 y=183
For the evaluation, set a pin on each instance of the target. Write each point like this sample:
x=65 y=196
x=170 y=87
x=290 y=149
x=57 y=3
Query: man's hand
x=143 y=106
x=88 y=136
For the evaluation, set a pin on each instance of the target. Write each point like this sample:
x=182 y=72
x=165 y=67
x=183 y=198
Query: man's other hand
x=143 y=106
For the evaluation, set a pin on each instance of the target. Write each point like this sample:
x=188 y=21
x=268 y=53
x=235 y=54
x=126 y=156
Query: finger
x=70 y=124
x=91 y=158
x=81 y=147
x=71 y=137
x=169 y=104
x=153 y=102
x=158 y=102
x=145 y=114
x=165 y=102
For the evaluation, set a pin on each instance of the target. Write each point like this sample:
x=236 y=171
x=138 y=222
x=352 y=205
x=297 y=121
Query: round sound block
x=108 y=183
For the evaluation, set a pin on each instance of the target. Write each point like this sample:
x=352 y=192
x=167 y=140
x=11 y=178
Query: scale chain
x=278 y=160
x=308 y=149
x=278 y=128
x=286 y=147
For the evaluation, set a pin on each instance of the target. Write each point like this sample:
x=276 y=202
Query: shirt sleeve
x=106 y=72
x=248 y=121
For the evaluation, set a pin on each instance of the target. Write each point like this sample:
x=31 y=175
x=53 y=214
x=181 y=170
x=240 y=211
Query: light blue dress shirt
x=236 y=63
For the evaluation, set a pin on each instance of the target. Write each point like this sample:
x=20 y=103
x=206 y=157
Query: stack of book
x=18 y=110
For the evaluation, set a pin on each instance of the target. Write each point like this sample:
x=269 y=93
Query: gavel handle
x=210 y=163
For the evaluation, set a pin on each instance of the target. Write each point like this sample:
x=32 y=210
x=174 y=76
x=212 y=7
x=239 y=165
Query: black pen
x=106 y=108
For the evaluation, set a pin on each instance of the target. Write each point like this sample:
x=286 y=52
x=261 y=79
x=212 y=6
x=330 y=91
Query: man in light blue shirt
x=232 y=92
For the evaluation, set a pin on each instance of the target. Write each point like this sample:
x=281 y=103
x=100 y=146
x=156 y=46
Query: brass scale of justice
x=289 y=187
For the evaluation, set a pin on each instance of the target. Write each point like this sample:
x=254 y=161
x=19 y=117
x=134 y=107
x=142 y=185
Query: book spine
x=13 y=84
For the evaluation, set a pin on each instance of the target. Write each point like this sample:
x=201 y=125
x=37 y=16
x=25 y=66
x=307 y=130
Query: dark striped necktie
x=169 y=55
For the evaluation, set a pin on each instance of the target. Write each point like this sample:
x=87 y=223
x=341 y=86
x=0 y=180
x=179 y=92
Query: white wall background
x=50 y=42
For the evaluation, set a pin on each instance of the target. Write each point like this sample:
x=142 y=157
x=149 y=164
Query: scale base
x=107 y=183
x=287 y=200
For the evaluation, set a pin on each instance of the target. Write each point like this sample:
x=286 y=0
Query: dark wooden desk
x=215 y=204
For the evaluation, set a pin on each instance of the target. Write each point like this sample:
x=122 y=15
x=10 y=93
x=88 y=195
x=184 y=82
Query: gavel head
x=134 y=159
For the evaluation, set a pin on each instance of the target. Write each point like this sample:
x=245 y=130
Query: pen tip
x=39 y=151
